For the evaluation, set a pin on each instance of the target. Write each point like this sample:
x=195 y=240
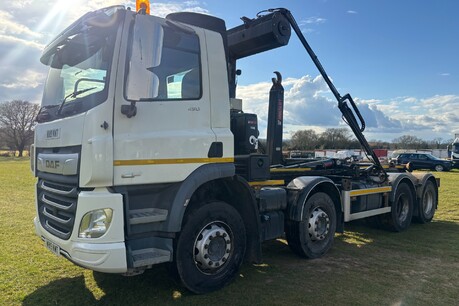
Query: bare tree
x=337 y=138
x=409 y=142
x=305 y=140
x=17 y=120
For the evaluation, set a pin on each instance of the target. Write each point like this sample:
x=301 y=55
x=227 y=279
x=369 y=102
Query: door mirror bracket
x=129 y=110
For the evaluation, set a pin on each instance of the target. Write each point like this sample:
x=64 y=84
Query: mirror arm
x=129 y=110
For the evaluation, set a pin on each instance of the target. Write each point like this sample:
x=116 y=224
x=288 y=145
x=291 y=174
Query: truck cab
x=85 y=144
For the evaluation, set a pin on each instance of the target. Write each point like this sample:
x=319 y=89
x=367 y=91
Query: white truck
x=144 y=156
x=455 y=151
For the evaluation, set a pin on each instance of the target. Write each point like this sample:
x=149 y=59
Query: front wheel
x=210 y=248
x=313 y=236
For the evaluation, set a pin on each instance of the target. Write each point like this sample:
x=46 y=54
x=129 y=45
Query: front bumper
x=105 y=254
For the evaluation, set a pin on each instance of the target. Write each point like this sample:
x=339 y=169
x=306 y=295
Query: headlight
x=95 y=223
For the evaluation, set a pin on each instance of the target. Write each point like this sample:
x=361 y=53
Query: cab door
x=164 y=79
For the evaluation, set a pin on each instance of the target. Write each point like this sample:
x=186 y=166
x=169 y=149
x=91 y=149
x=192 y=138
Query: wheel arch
x=301 y=188
x=398 y=178
x=236 y=192
x=202 y=175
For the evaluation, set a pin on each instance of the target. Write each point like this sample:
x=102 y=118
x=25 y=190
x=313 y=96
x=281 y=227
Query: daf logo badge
x=53 y=164
x=52 y=134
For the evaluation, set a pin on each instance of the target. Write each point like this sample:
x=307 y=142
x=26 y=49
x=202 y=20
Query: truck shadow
x=157 y=287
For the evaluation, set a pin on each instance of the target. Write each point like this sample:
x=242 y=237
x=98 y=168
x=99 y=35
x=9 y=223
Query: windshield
x=79 y=61
x=456 y=148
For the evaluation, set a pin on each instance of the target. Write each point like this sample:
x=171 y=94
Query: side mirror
x=142 y=82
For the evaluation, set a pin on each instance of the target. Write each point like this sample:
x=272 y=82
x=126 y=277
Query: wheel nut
x=206 y=256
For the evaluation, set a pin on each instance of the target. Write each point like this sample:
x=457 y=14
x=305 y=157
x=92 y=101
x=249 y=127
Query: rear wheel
x=313 y=236
x=427 y=205
x=210 y=248
x=401 y=213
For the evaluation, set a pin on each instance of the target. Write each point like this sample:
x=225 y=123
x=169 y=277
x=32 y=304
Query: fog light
x=95 y=223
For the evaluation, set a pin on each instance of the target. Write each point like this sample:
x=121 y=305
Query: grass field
x=366 y=266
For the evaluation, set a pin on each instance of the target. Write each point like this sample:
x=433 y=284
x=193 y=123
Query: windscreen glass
x=79 y=66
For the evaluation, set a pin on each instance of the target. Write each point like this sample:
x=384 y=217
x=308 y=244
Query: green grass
x=366 y=266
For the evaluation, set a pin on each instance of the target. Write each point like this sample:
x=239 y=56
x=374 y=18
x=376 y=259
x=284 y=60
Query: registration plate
x=53 y=247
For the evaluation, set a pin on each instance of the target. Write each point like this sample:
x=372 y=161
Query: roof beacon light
x=142 y=5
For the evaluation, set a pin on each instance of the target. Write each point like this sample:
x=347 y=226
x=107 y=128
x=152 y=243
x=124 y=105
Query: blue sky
x=398 y=59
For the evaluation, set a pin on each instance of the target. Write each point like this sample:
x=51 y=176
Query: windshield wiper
x=44 y=114
x=73 y=95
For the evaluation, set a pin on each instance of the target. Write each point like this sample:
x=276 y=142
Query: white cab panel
x=166 y=140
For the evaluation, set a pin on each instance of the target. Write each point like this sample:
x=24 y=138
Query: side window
x=422 y=157
x=180 y=69
x=175 y=75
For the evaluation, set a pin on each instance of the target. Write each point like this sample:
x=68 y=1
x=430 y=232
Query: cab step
x=147 y=215
x=150 y=256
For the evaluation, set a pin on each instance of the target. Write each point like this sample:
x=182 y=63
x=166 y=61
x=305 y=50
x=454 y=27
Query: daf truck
x=143 y=153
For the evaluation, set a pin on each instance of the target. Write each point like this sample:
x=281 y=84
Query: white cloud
x=12 y=40
x=351 y=12
x=307 y=25
x=10 y=27
x=308 y=106
x=163 y=9
x=312 y=20
x=27 y=79
x=20 y=4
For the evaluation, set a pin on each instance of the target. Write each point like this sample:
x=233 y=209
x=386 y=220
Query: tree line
x=342 y=138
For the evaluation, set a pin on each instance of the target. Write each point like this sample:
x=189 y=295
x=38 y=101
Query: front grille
x=57 y=205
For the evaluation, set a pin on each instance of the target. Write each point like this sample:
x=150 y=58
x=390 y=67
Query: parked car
x=422 y=161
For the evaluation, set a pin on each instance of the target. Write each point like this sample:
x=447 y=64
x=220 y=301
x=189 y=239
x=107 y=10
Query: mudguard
x=203 y=174
x=422 y=179
x=396 y=178
x=300 y=188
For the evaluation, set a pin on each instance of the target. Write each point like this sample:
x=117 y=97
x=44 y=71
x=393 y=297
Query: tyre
x=313 y=236
x=427 y=205
x=439 y=168
x=399 y=219
x=210 y=248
